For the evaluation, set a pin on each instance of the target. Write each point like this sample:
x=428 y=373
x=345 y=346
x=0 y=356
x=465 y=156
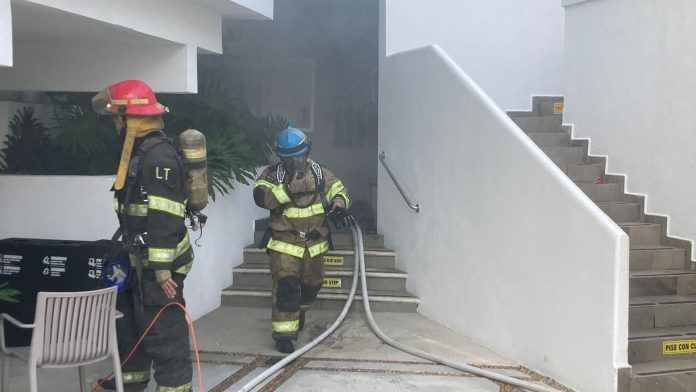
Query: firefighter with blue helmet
x=300 y=194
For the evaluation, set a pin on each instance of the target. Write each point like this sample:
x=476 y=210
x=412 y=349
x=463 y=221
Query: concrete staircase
x=662 y=287
x=387 y=286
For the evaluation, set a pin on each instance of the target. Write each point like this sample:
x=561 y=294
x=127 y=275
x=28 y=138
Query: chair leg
x=33 y=381
x=5 y=387
x=118 y=377
x=83 y=385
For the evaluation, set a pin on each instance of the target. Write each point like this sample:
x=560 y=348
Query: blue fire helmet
x=292 y=142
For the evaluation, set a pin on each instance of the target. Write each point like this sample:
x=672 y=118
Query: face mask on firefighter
x=296 y=164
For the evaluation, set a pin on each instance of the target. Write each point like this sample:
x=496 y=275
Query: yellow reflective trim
x=280 y=194
x=263 y=183
x=284 y=247
x=181 y=388
x=119 y=102
x=286 y=326
x=131 y=377
x=183 y=245
x=345 y=197
x=293 y=212
x=334 y=190
x=161 y=255
x=116 y=205
x=137 y=209
x=184 y=269
x=166 y=205
x=337 y=189
x=140 y=101
x=195 y=153
x=318 y=249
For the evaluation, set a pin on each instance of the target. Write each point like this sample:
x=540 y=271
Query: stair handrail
x=415 y=207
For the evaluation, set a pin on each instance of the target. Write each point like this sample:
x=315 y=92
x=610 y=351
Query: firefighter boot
x=285 y=346
x=101 y=385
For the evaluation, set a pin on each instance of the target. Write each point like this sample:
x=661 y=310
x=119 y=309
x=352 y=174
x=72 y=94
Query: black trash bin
x=34 y=265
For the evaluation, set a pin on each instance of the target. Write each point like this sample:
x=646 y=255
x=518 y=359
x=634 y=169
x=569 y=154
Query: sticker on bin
x=558 y=108
x=679 y=347
x=333 y=260
x=332 y=282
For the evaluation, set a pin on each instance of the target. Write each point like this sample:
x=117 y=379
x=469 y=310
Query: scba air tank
x=193 y=145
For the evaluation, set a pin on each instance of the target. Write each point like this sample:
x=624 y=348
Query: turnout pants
x=166 y=346
x=296 y=283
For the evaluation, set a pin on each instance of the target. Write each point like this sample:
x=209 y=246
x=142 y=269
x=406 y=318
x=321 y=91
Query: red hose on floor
x=192 y=330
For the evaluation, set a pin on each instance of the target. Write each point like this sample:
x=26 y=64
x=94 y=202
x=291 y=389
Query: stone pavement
x=235 y=346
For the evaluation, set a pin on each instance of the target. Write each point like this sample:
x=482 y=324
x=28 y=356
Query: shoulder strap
x=280 y=173
x=321 y=180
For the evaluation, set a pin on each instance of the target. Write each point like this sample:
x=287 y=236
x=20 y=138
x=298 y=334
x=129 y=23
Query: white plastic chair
x=70 y=329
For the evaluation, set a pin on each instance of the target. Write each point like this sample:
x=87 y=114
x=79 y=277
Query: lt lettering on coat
x=158 y=174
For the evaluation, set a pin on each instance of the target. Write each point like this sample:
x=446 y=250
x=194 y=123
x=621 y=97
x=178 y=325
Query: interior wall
x=340 y=39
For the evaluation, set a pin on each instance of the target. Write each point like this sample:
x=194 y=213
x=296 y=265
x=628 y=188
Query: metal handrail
x=416 y=207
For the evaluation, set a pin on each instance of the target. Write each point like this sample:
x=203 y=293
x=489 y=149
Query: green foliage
x=28 y=147
x=86 y=143
x=238 y=142
x=7 y=294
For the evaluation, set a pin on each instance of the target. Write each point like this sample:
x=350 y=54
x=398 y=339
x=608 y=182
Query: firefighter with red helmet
x=150 y=201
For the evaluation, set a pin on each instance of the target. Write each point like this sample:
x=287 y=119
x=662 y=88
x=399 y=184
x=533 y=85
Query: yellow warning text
x=332 y=282
x=333 y=260
x=679 y=347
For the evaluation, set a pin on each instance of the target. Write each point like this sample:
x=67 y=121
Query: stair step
x=662 y=282
x=671 y=375
x=662 y=311
x=602 y=192
x=385 y=280
x=565 y=155
x=642 y=233
x=586 y=172
x=646 y=345
x=342 y=240
x=539 y=124
x=657 y=257
x=620 y=211
x=327 y=299
x=373 y=258
x=550 y=139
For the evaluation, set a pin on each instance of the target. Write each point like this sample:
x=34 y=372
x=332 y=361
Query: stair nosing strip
x=329 y=272
x=376 y=298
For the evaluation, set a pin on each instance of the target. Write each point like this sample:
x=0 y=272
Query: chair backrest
x=74 y=327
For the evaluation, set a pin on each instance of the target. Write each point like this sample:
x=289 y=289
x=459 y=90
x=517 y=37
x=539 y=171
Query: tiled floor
x=235 y=346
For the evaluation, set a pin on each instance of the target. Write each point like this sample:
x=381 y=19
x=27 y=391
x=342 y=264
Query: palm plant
x=86 y=144
x=27 y=148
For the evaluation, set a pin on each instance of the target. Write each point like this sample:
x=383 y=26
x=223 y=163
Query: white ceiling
x=32 y=22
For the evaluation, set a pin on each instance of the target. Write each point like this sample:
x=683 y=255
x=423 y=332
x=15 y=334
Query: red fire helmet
x=128 y=98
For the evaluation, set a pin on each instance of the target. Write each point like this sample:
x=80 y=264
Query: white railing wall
x=82 y=208
x=505 y=249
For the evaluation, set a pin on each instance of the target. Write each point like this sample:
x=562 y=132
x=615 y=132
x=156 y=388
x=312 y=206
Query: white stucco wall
x=81 y=208
x=64 y=66
x=513 y=49
x=83 y=45
x=506 y=249
x=5 y=34
x=630 y=89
